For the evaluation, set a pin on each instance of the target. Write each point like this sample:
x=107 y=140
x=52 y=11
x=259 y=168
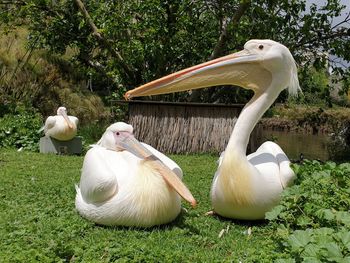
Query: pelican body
x=61 y=127
x=128 y=183
x=244 y=187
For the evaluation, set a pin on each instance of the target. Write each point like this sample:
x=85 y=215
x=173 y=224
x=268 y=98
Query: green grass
x=38 y=221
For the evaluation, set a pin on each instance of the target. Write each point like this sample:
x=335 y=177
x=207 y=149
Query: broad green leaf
x=328 y=214
x=344 y=260
x=299 y=239
x=334 y=251
x=311 y=260
x=310 y=250
x=343 y=217
x=324 y=231
x=323 y=236
x=344 y=238
x=273 y=214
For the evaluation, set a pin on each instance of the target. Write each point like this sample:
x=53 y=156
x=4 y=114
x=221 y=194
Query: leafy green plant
x=319 y=245
x=313 y=219
x=19 y=128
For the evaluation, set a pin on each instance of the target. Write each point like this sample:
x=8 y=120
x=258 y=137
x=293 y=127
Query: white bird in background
x=244 y=187
x=61 y=127
x=128 y=183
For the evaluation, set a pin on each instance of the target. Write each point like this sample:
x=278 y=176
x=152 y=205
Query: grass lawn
x=38 y=221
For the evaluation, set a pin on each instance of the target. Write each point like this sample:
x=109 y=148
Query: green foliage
x=156 y=37
x=315 y=86
x=319 y=245
x=19 y=128
x=313 y=218
x=312 y=118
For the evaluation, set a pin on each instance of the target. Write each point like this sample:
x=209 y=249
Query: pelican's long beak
x=134 y=146
x=228 y=70
x=65 y=116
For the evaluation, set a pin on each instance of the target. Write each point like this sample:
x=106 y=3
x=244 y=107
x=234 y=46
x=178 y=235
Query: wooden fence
x=185 y=127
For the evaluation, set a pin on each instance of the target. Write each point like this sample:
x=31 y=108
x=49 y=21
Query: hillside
x=39 y=79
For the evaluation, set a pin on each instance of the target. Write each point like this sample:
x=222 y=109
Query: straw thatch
x=184 y=127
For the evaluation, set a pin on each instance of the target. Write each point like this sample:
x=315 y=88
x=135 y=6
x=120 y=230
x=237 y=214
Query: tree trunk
x=104 y=42
x=220 y=46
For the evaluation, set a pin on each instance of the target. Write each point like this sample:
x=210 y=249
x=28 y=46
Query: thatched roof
x=183 y=127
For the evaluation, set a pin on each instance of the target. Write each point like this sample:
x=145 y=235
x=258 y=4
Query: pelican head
x=119 y=137
x=113 y=136
x=63 y=112
x=260 y=65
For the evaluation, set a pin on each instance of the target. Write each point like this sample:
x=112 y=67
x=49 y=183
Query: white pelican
x=128 y=183
x=244 y=187
x=61 y=127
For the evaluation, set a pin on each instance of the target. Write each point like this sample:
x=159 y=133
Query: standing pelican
x=61 y=127
x=244 y=187
x=125 y=182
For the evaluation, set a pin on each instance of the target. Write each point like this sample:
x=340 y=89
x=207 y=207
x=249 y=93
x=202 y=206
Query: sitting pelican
x=128 y=183
x=61 y=127
x=244 y=187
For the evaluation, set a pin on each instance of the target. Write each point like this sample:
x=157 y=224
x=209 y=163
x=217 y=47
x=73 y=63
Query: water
x=293 y=144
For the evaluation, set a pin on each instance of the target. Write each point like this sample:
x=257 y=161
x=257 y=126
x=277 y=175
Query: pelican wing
x=50 y=123
x=98 y=180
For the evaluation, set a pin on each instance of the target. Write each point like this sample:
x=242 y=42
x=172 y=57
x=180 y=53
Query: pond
x=312 y=146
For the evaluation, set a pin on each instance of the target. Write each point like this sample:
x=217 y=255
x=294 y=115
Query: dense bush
x=19 y=128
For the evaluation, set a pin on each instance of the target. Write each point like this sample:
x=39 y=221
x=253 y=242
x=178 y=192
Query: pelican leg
x=210 y=213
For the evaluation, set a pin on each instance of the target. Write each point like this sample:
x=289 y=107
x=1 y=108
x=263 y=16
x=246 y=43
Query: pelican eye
x=261 y=47
x=117 y=133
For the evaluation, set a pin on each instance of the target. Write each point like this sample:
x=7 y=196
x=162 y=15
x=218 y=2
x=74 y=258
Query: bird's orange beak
x=134 y=146
x=227 y=70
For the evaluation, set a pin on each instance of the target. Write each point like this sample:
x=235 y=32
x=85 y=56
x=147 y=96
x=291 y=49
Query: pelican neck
x=248 y=118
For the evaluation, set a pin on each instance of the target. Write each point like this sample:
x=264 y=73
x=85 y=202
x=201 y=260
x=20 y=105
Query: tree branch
x=345 y=20
x=103 y=41
x=222 y=41
x=219 y=47
x=344 y=32
x=12 y=2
